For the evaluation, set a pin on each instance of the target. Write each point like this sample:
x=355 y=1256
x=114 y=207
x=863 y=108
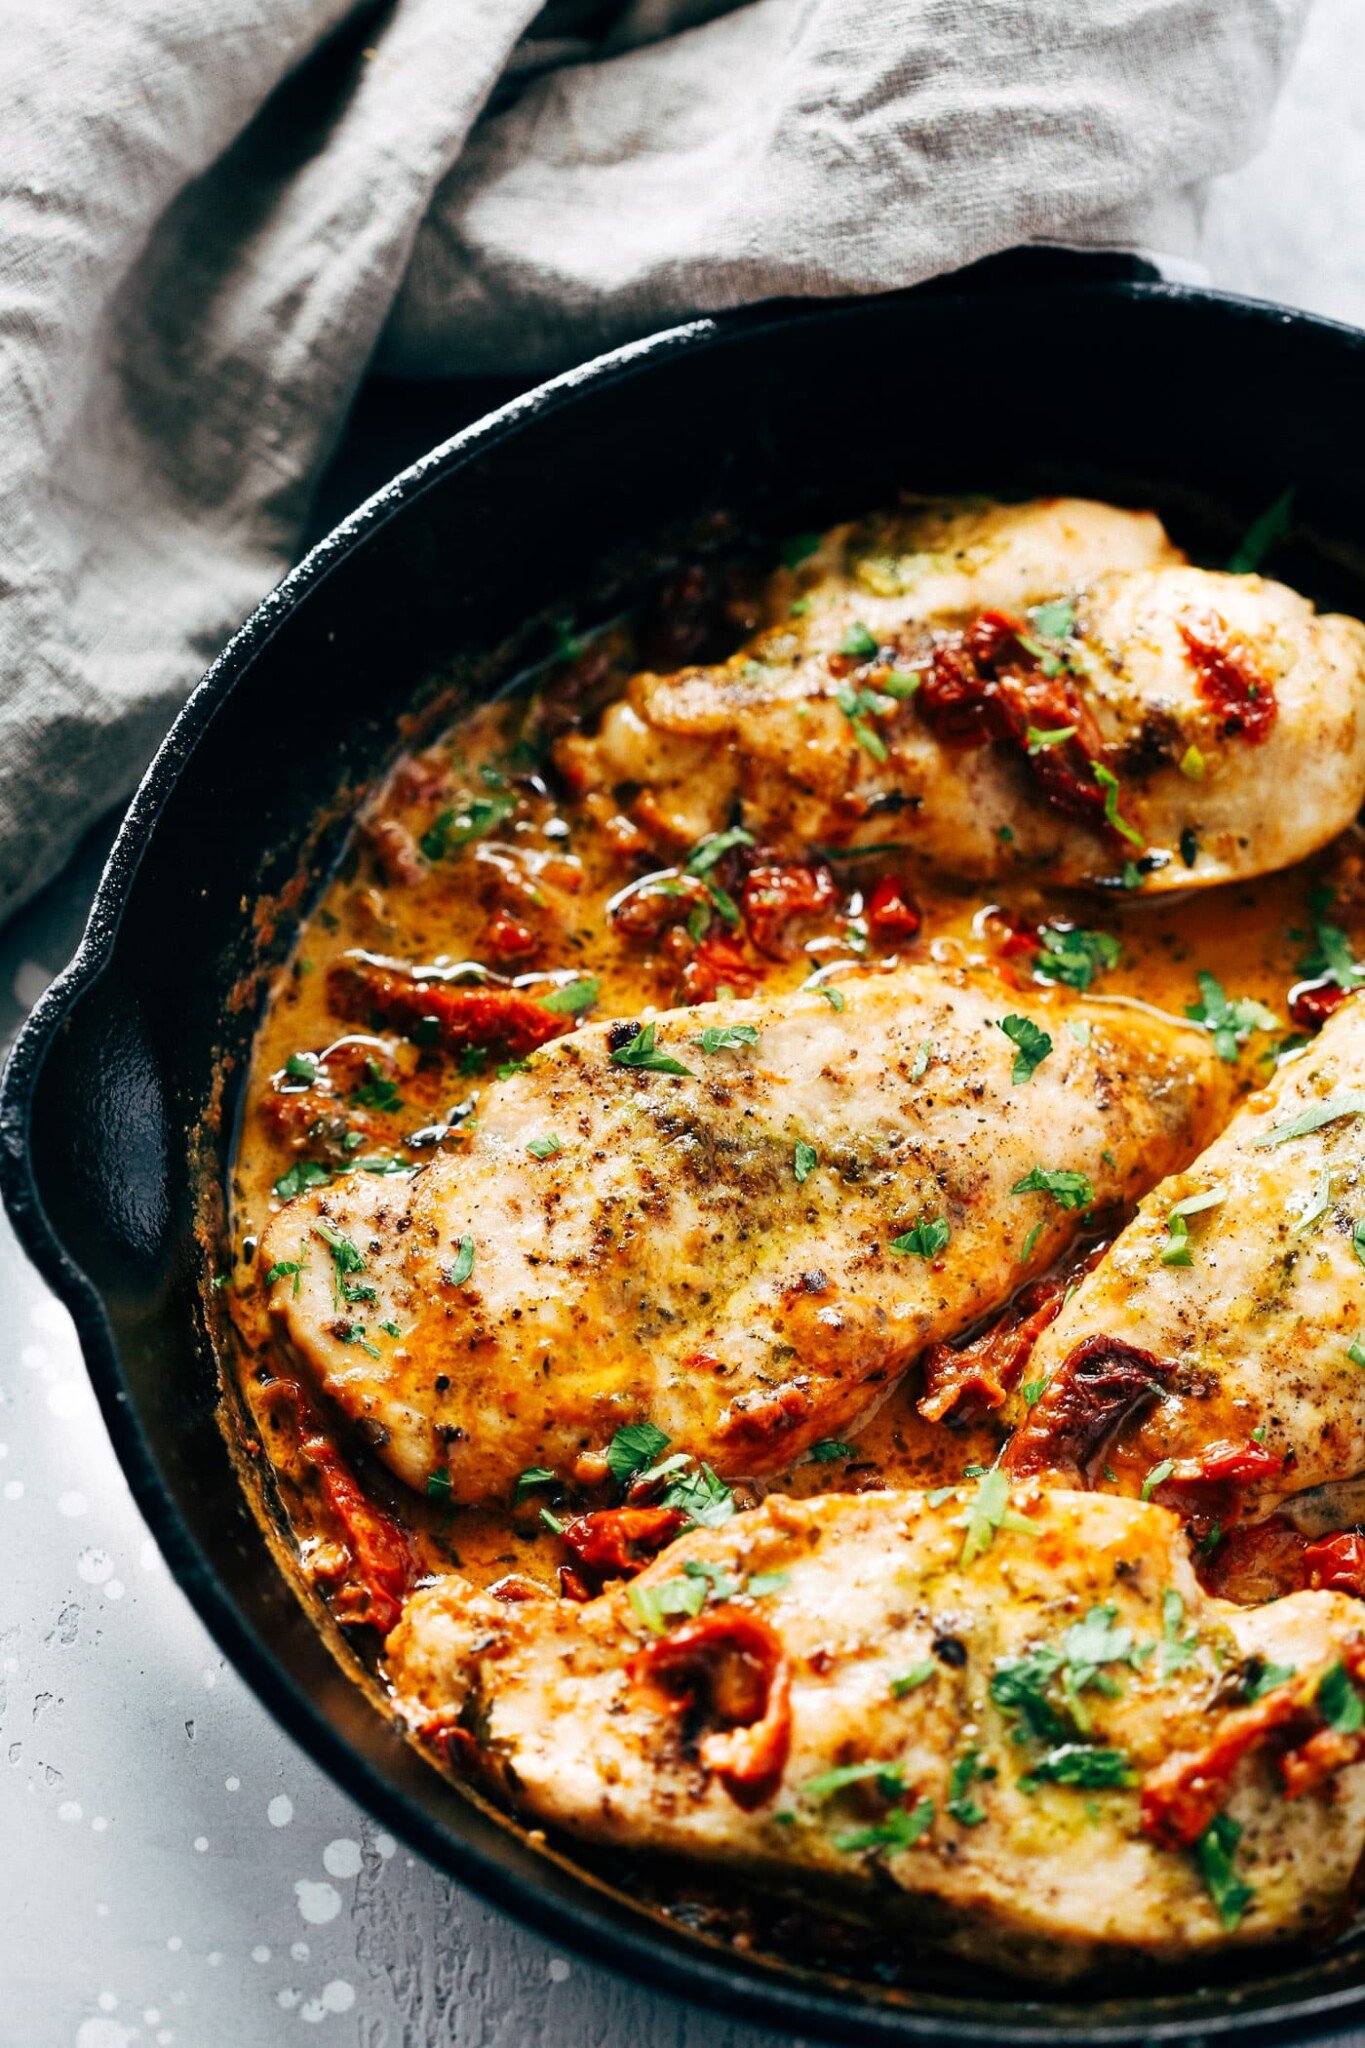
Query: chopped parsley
x=376 y=1091
x=1055 y=620
x=303 y=1174
x=828 y=1449
x=346 y=1259
x=530 y=1480
x=1176 y=1250
x=966 y=1770
x=1020 y=1687
x=989 y=1512
x=901 y=1829
x=1032 y=1047
x=714 y=846
x=889 y=1777
x=1176 y=1650
x=1158 y=1476
x=572 y=997
x=454 y=829
x=761 y=1584
x=1341 y=1704
x=657 y=1605
x=1073 y=955
x=302 y=1066
x=1346 y=1102
x=700 y=1495
x=833 y=996
x=805 y=1159
x=1029 y=1242
x=1192 y=768
x=919 y=1065
x=1080 y=1763
x=1109 y=783
x=1037 y=738
x=726 y=1037
x=927 y=1238
x=1355 y=1351
x=640 y=1052
x=858 y=642
x=911 y=1680
x=544 y=1148
x=1214 y=1851
x=1070 y=1189
x=1231 y=1022
x=635 y=1446
x=439 y=1488
x=1266 y=1678
x=462 y=1265
x=1332 y=959
x=281 y=1271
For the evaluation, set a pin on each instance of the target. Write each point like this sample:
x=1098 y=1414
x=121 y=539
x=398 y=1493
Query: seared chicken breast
x=1217 y=1351
x=1044 y=689
x=1017 y=1721
x=740 y=1221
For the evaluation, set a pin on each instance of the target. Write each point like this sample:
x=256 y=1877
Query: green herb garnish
x=572 y=997
x=640 y=1053
x=1070 y=1189
x=635 y=1446
x=1032 y=1043
x=925 y=1240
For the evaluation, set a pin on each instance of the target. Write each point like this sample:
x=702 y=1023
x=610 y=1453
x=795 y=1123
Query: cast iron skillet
x=792 y=414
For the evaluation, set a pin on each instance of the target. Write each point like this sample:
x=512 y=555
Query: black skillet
x=1049 y=378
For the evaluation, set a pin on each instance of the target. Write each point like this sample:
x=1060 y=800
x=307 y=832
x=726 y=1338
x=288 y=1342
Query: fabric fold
x=213 y=217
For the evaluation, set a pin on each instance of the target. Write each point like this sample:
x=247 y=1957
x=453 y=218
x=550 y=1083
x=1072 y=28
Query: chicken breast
x=1018 y=1722
x=739 y=1222
x=1041 y=689
x=1219 y=1345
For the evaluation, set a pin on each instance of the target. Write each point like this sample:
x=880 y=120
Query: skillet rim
x=572 y=1911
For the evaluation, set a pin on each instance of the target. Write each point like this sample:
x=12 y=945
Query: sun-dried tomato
x=1097 y=1387
x=372 y=1585
x=395 y=852
x=777 y=894
x=644 y=912
x=615 y=1543
x=505 y=1018
x=506 y=938
x=984 y=684
x=1184 y=1792
x=891 y=914
x=1337 y=1563
x=1253 y=1563
x=981 y=1374
x=731 y=1666
x=1216 y=1463
x=1241 y=698
x=1312 y=1003
x=717 y=964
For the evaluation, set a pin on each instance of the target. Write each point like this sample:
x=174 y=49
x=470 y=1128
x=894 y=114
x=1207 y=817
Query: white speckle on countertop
x=318 y=1902
x=342 y=1857
x=280 y=1810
